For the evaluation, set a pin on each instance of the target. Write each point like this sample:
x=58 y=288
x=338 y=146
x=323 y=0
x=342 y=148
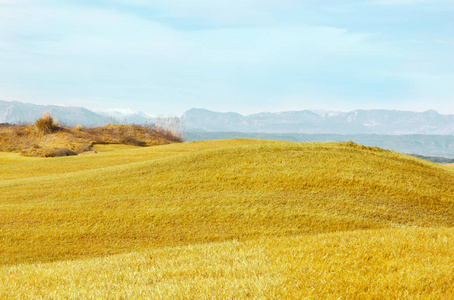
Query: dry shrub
x=85 y=147
x=170 y=127
x=46 y=124
x=18 y=131
x=133 y=141
x=62 y=152
x=37 y=151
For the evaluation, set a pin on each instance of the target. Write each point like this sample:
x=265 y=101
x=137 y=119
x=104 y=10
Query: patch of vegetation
x=36 y=151
x=46 y=139
x=227 y=219
x=170 y=127
x=46 y=124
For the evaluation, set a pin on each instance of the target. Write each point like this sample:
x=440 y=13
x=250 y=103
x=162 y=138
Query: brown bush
x=131 y=140
x=46 y=124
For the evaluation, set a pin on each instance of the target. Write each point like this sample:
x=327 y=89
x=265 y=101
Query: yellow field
x=227 y=219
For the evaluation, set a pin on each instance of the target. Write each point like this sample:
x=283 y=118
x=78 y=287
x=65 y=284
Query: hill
x=227 y=219
x=64 y=141
x=433 y=147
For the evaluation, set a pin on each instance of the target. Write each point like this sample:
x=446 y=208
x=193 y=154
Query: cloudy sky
x=247 y=56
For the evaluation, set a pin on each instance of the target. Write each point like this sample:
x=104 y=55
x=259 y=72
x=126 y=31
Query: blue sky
x=247 y=56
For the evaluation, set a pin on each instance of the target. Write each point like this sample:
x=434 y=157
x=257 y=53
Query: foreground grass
x=226 y=219
x=388 y=263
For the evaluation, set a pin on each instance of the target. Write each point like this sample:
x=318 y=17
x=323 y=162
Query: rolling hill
x=226 y=219
x=64 y=141
x=431 y=146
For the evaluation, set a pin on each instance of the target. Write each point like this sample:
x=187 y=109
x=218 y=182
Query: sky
x=246 y=56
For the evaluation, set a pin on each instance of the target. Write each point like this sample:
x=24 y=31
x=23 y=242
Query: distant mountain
x=388 y=122
x=428 y=133
x=126 y=116
x=17 y=112
x=384 y=122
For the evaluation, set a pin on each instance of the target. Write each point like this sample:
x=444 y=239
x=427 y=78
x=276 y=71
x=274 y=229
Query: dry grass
x=378 y=264
x=170 y=127
x=15 y=166
x=46 y=124
x=46 y=139
x=227 y=219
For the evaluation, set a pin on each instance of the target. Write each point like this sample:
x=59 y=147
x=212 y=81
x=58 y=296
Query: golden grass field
x=226 y=219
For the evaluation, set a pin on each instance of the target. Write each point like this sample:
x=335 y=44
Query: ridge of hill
x=65 y=141
x=227 y=218
x=430 y=146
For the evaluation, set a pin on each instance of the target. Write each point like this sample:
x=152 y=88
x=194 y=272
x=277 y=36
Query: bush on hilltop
x=46 y=124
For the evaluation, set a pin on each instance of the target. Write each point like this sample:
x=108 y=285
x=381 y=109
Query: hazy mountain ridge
x=388 y=122
x=18 y=112
x=126 y=116
x=385 y=122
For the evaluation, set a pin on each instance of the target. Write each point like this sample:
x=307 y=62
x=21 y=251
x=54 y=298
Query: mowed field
x=226 y=219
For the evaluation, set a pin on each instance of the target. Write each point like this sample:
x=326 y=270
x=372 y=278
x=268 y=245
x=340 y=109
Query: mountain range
x=388 y=122
x=15 y=112
x=384 y=122
x=424 y=133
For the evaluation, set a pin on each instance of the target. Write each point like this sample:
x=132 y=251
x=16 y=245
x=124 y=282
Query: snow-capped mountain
x=127 y=116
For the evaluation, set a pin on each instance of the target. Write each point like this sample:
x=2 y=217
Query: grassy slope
x=282 y=216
